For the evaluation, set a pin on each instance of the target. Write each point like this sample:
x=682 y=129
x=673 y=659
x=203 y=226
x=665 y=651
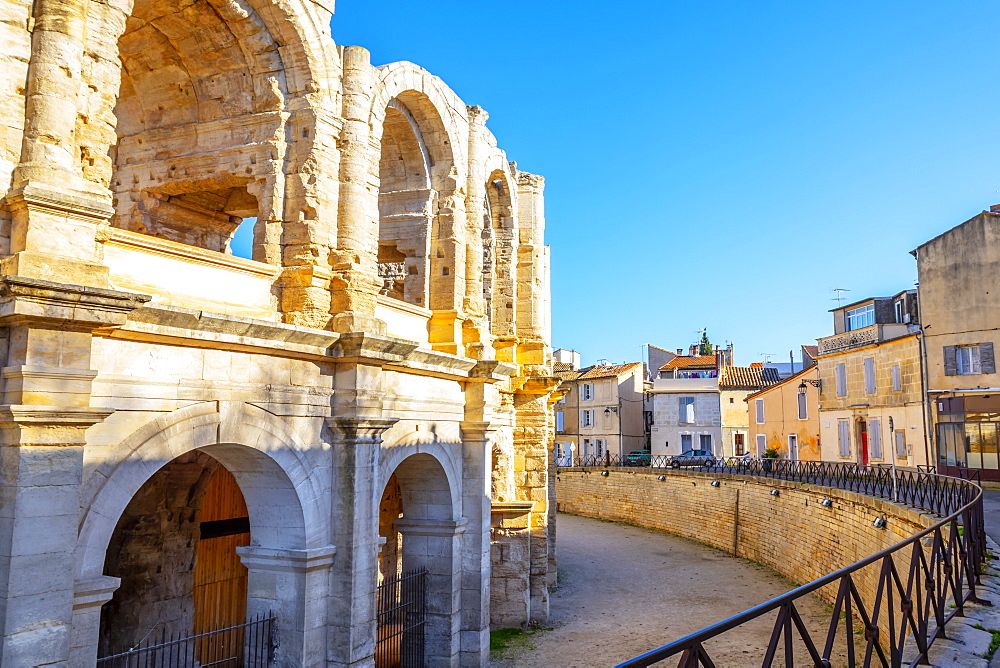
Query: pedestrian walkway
x=624 y=590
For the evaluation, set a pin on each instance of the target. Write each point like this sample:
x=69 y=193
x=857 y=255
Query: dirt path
x=623 y=591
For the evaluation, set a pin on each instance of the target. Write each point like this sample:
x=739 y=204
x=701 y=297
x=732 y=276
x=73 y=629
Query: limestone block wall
x=791 y=533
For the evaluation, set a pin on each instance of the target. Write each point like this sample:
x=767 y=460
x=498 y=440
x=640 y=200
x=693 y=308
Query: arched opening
x=404 y=203
x=499 y=256
x=195 y=127
x=421 y=534
x=174 y=549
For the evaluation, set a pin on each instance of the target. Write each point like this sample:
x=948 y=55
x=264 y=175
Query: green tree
x=705 y=346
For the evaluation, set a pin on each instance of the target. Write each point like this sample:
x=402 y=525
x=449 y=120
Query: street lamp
x=815 y=383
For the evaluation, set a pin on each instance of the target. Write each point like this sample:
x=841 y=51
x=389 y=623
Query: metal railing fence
x=248 y=645
x=923 y=581
x=401 y=615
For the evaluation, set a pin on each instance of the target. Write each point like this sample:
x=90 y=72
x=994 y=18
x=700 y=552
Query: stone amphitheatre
x=191 y=437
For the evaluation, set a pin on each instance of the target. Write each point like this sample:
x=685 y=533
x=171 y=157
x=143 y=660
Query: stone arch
x=500 y=242
x=393 y=455
x=188 y=118
x=431 y=531
x=256 y=446
x=288 y=523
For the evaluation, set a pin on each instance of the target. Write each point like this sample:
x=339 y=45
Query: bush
x=771 y=453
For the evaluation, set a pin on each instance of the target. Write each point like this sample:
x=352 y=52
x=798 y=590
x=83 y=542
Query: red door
x=863 y=440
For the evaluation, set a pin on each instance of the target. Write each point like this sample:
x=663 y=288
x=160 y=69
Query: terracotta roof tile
x=747 y=378
x=596 y=371
x=685 y=361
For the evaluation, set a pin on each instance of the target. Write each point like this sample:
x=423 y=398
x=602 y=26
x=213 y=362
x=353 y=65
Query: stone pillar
x=475 y=210
x=88 y=598
x=436 y=545
x=292 y=584
x=510 y=602
x=351 y=639
x=475 y=567
x=532 y=279
x=355 y=260
x=43 y=421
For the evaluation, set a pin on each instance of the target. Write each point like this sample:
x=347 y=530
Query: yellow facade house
x=871 y=408
x=785 y=417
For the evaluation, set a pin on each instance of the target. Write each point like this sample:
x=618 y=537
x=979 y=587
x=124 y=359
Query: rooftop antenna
x=840 y=295
x=767 y=356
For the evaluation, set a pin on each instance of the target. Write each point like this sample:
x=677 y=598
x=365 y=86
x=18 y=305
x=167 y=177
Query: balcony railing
x=865 y=336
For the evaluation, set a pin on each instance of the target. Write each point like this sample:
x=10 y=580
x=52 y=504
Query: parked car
x=638 y=458
x=691 y=458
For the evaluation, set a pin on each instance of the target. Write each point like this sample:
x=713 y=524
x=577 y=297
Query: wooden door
x=220 y=579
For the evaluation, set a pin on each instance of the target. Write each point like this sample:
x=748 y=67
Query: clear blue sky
x=725 y=164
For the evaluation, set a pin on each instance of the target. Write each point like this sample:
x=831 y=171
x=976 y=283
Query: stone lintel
x=492 y=371
x=361 y=428
x=511 y=508
x=362 y=347
x=80 y=205
x=476 y=431
x=95 y=592
x=282 y=560
x=64 y=306
x=537 y=385
x=39 y=416
x=441 y=528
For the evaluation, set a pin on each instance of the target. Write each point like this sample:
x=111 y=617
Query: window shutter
x=869 y=375
x=844 y=437
x=875 y=438
x=759 y=404
x=987 y=362
x=897 y=381
x=803 y=408
x=950 y=361
x=560 y=421
x=900 y=443
x=841 y=380
x=761 y=444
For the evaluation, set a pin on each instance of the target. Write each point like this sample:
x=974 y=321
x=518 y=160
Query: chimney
x=680 y=351
x=995 y=208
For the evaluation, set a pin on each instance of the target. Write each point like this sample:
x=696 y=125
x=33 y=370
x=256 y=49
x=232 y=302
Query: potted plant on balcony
x=770 y=456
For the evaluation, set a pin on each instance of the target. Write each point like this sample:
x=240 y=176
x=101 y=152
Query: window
x=897 y=379
x=841 y=371
x=900 y=443
x=587 y=447
x=759 y=406
x=686 y=442
x=705 y=442
x=844 y=437
x=875 y=438
x=731 y=400
x=599 y=447
x=739 y=444
x=803 y=407
x=587 y=392
x=560 y=421
x=969 y=359
x=761 y=444
x=863 y=316
x=898 y=307
x=587 y=418
x=869 y=375
x=685 y=410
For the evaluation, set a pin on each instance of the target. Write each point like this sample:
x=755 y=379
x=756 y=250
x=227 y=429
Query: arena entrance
x=183 y=593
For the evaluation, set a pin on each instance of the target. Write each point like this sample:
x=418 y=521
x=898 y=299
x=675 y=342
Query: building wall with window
x=786 y=418
x=863 y=390
x=686 y=415
x=601 y=411
x=959 y=276
x=735 y=383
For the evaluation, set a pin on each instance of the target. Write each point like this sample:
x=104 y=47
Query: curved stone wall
x=791 y=533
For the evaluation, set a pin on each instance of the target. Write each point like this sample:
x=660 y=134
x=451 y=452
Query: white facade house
x=686 y=416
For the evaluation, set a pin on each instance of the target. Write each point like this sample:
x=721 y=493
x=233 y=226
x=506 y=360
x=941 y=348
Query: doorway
x=862 y=442
x=793 y=447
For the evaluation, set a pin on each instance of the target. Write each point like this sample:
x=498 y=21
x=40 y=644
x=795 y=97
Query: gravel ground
x=624 y=590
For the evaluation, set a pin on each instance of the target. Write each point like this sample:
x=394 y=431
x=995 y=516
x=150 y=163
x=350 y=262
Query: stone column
x=292 y=584
x=475 y=304
x=436 y=546
x=43 y=421
x=475 y=566
x=532 y=279
x=351 y=639
x=355 y=261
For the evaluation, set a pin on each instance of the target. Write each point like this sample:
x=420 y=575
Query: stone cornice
x=360 y=428
x=64 y=306
x=361 y=347
x=279 y=560
x=79 y=205
x=442 y=528
x=76 y=416
x=511 y=507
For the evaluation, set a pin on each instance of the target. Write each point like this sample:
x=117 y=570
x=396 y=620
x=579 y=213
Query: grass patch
x=503 y=639
x=994 y=644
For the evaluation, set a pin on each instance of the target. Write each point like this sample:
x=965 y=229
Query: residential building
x=735 y=383
x=191 y=438
x=785 y=416
x=601 y=413
x=959 y=275
x=871 y=394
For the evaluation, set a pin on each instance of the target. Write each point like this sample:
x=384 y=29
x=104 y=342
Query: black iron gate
x=401 y=607
x=249 y=645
